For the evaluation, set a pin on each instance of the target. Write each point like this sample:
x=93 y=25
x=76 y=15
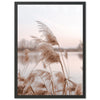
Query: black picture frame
x=15 y=50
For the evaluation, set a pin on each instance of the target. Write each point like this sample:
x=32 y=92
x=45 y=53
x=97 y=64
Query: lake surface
x=74 y=63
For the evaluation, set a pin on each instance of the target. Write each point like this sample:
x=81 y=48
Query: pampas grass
x=48 y=54
x=41 y=82
x=38 y=84
x=49 y=37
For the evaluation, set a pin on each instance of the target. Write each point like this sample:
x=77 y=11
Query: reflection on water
x=27 y=63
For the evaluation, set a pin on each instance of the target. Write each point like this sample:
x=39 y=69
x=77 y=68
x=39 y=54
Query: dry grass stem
x=45 y=82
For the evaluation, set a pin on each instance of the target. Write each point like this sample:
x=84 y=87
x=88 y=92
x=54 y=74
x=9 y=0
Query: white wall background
x=7 y=49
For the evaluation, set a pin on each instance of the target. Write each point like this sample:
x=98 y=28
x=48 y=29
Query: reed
x=48 y=56
x=51 y=39
x=41 y=88
x=52 y=82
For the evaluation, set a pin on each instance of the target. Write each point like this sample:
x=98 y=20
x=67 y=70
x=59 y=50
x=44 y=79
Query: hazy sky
x=64 y=20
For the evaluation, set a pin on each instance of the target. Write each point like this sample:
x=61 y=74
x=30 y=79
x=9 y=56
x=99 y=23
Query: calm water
x=74 y=63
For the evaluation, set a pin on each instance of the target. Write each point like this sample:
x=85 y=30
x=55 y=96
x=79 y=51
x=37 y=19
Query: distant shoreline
x=56 y=49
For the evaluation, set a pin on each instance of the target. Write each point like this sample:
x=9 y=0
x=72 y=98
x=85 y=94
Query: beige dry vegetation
x=40 y=82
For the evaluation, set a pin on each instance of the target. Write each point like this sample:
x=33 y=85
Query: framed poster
x=50 y=49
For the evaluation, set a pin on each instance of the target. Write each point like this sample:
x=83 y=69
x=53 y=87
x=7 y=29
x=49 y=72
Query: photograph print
x=50 y=49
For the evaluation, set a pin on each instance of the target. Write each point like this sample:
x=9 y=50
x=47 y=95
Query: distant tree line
x=26 y=44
